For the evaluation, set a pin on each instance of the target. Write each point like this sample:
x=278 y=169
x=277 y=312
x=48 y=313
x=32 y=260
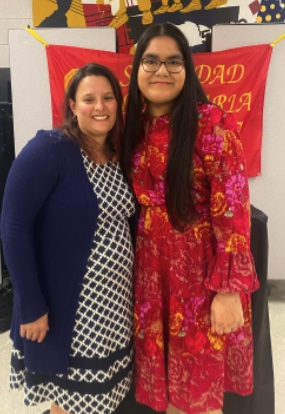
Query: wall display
x=58 y=13
x=228 y=77
x=130 y=17
x=271 y=11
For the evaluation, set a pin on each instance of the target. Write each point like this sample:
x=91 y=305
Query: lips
x=100 y=117
x=161 y=83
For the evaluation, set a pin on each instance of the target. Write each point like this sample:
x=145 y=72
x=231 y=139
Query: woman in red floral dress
x=194 y=271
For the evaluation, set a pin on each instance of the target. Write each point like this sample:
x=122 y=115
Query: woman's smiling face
x=160 y=88
x=95 y=106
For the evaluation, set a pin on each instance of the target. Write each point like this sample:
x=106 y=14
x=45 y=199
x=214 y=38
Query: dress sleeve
x=30 y=180
x=232 y=268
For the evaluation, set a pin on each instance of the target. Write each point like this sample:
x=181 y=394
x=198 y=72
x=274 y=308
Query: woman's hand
x=226 y=313
x=35 y=331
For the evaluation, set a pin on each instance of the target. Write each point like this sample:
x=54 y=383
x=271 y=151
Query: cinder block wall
x=14 y=14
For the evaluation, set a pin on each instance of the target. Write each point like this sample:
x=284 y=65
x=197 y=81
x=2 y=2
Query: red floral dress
x=178 y=359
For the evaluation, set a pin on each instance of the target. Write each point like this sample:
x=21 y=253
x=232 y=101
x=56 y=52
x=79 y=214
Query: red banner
x=234 y=79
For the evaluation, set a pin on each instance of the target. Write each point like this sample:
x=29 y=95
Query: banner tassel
x=36 y=36
x=277 y=40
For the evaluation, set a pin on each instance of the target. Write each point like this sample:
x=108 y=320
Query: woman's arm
x=31 y=179
x=232 y=270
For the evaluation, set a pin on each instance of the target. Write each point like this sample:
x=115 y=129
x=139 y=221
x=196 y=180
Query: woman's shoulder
x=211 y=116
x=217 y=131
x=50 y=136
x=48 y=140
x=210 y=111
x=45 y=148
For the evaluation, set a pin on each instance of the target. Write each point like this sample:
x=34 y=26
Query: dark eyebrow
x=152 y=55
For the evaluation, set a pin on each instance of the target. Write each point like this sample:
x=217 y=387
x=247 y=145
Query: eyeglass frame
x=162 y=62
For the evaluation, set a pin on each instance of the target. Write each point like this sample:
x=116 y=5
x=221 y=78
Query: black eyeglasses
x=150 y=64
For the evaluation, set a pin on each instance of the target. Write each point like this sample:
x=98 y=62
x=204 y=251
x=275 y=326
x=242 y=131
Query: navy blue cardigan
x=48 y=221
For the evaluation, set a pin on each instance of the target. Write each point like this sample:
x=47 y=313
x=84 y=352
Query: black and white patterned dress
x=100 y=370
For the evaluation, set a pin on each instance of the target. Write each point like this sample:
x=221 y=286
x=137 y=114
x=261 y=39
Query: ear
x=72 y=106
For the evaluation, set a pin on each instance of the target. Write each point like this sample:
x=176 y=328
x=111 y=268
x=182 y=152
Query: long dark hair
x=70 y=124
x=183 y=124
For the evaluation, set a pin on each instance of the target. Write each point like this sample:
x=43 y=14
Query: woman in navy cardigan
x=67 y=245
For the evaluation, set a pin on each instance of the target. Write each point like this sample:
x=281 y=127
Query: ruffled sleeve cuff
x=232 y=272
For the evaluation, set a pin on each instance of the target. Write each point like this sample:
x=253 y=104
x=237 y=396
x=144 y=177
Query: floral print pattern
x=178 y=359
